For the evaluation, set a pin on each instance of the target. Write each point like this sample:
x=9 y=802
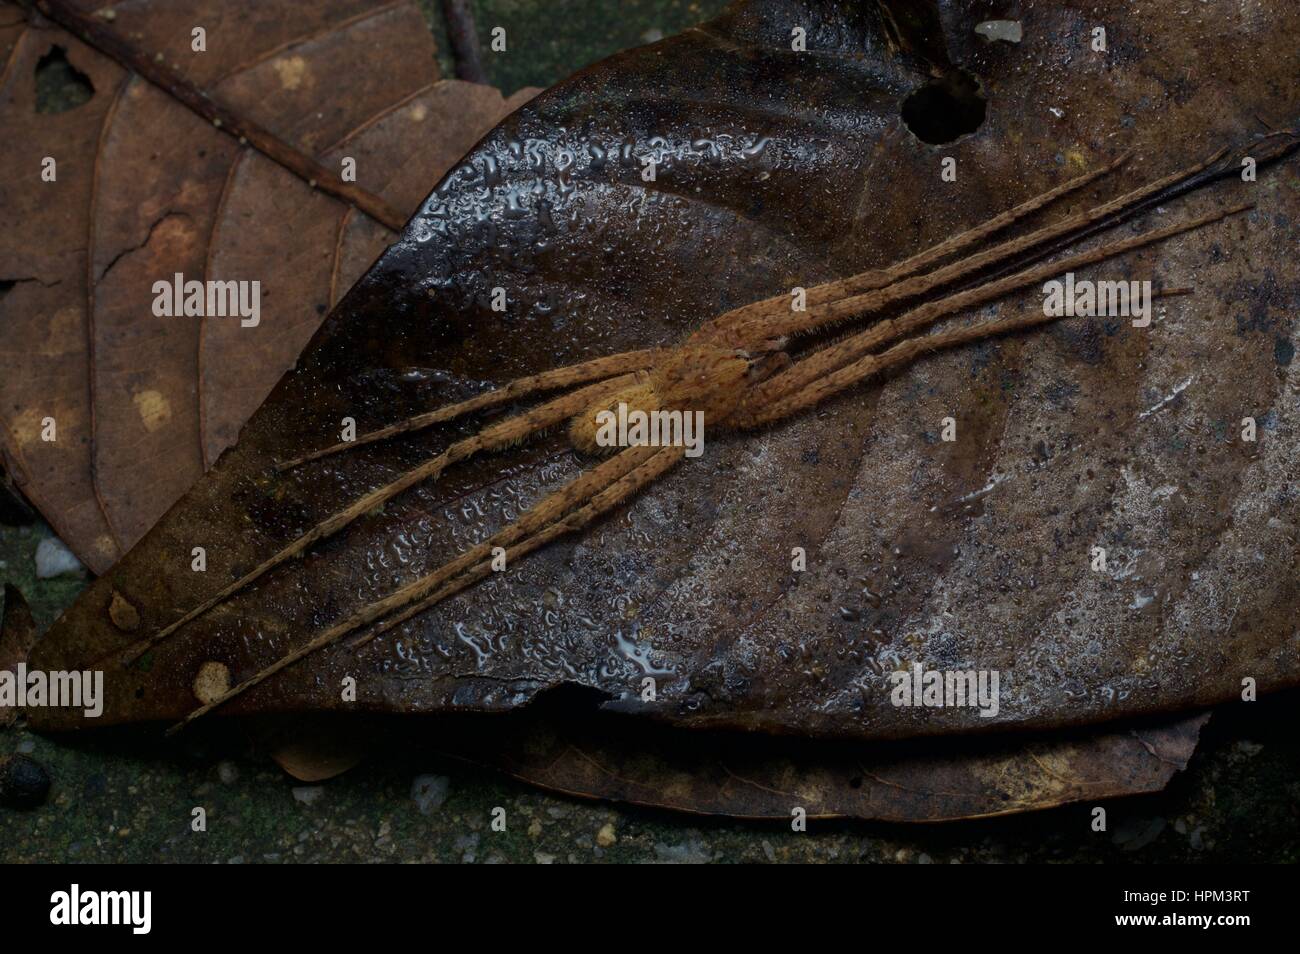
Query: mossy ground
x=126 y=797
x=546 y=40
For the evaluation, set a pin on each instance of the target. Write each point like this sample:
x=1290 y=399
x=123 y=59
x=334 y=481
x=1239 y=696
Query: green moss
x=547 y=40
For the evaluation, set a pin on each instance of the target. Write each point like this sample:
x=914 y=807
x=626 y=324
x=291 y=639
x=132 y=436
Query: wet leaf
x=140 y=405
x=780 y=170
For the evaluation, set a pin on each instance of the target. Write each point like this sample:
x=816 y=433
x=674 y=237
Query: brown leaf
x=314 y=750
x=619 y=759
x=147 y=189
x=758 y=777
x=779 y=171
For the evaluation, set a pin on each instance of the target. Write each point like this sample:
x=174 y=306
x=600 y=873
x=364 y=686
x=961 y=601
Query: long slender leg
x=880 y=278
x=620 y=481
x=855 y=306
x=551 y=508
x=831 y=301
x=595 y=370
x=811 y=373
x=660 y=463
x=905 y=352
x=497 y=435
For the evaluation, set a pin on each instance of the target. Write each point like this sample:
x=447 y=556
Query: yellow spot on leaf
x=292 y=71
x=27 y=426
x=154 y=409
x=212 y=681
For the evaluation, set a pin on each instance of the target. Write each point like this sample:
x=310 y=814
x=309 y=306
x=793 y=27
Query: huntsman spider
x=739 y=371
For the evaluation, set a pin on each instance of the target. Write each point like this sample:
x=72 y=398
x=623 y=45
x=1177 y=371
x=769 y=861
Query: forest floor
x=130 y=798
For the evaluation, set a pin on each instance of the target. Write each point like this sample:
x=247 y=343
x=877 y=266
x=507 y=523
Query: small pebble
x=53 y=558
x=606 y=836
x=308 y=794
x=429 y=792
x=1009 y=31
x=24 y=783
x=124 y=616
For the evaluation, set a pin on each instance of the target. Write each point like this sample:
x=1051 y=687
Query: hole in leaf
x=60 y=86
x=945 y=109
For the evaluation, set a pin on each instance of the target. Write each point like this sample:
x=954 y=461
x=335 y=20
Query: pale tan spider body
x=695 y=377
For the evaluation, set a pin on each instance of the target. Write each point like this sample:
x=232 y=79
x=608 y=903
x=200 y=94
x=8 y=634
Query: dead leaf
x=146 y=189
x=576 y=752
x=315 y=750
x=626 y=760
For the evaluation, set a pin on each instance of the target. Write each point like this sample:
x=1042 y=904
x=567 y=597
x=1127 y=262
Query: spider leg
x=595 y=370
x=550 y=509
x=787 y=322
x=825 y=373
x=874 y=279
x=654 y=467
x=495 y=436
x=902 y=353
x=595 y=492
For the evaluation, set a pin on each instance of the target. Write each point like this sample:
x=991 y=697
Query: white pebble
x=53 y=558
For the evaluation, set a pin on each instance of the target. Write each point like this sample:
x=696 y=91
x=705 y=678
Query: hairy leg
x=597 y=369
x=905 y=352
x=789 y=322
x=501 y=434
x=646 y=473
x=827 y=292
x=597 y=491
x=810 y=380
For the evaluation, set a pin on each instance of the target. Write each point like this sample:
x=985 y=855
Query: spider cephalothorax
x=743 y=369
x=698 y=379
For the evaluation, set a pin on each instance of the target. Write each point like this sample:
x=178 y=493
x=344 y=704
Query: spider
x=737 y=369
